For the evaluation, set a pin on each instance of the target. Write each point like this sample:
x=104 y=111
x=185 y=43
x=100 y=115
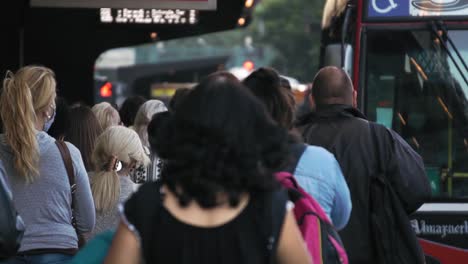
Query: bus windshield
x=413 y=86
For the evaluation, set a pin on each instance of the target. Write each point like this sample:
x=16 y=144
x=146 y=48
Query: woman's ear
x=311 y=101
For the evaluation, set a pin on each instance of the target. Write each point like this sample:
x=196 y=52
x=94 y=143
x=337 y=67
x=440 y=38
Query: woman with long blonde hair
x=117 y=150
x=36 y=170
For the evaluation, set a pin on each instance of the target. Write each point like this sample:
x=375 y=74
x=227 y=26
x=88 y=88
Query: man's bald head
x=332 y=85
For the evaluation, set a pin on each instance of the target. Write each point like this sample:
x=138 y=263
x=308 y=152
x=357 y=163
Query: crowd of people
x=197 y=181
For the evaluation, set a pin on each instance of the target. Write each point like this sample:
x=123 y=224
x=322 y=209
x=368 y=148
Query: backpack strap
x=296 y=151
x=379 y=194
x=275 y=214
x=373 y=130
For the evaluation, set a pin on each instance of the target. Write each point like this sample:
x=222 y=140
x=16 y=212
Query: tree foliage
x=292 y=28
x=289 y=28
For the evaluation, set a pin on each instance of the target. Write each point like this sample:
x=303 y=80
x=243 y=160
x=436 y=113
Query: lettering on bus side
x=424 y=228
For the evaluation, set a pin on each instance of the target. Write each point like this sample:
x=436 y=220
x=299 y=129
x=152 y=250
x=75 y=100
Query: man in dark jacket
x=340 y=128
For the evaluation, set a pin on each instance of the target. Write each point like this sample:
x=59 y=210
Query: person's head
x=143 y=117
x=265 y=84
x=158 y=129
x=219 y=141
x=61 y=120
x=178 y=98
x=106 y=114
x=332 y=85
x=27 y=104
x=117 y=149
x=285 y=83
x=83 y=130
x=130 y=108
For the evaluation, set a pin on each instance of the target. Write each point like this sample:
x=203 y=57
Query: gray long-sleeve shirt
x=45 y=204
x=109 y=220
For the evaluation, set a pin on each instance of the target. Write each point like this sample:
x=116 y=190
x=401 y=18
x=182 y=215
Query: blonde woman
x=142 y=119
x=36 y=173
x=106 y=114
x=117 y=150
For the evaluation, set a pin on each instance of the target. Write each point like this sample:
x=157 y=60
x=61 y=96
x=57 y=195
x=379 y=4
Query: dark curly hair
x=129 y=109
x=219 y=141
x=178 y=98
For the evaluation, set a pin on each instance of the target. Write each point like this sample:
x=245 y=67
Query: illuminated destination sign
x=156 y=4
x=148 y=16
x=416 y=8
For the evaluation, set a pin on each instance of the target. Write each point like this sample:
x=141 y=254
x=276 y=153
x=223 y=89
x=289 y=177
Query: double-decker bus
x=408 y=61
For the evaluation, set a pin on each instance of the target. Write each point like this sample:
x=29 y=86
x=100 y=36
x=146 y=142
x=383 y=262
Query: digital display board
x=148 y=16
x=382 y=9
x=156 y=4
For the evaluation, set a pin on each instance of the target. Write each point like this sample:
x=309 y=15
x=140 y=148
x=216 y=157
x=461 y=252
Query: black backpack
x=11 y=225
x=394 y=239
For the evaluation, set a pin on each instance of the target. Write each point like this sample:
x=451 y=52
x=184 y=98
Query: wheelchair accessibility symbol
x=390 y=5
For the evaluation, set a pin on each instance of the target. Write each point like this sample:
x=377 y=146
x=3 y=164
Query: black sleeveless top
x=248 y=238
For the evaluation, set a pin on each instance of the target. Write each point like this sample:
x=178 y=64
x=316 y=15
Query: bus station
x=361 y=104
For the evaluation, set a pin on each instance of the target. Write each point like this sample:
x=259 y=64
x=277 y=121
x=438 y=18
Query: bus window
x=413 y=86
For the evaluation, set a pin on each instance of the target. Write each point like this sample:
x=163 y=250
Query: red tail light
x=106 y=90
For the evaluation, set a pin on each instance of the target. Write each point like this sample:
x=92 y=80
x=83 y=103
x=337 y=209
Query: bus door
x=411 y=84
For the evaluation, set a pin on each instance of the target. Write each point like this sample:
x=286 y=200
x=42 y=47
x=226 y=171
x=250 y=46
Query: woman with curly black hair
x=217 y=201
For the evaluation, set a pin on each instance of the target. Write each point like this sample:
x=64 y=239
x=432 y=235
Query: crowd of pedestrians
x=199 y=181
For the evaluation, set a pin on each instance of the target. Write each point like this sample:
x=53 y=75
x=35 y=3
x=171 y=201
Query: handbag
x=66 y=157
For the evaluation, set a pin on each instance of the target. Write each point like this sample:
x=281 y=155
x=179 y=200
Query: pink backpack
x=322 y=239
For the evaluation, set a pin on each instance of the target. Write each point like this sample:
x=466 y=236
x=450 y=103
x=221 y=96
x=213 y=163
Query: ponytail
x=105 y=187
x=18 y=118
x=116 y=145
x=28 y=92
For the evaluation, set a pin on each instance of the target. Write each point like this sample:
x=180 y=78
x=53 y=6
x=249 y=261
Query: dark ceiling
x=70 y=40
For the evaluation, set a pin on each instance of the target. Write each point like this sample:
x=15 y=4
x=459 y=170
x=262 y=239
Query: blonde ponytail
x=115 y=144
x=28 y=92
x=105 y=187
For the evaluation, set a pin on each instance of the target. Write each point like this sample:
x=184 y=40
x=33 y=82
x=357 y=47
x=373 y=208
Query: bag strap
x=380 y=178
x=375 y=141
x=380 y=152
x=296 y=151
x=66 y=157
x=271 y=222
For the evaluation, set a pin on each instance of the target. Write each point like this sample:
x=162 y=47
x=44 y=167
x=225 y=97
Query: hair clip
x=118 y=166
x=114 y=164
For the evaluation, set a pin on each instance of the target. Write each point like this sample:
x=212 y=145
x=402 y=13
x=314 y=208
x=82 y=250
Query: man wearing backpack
x=378 y=230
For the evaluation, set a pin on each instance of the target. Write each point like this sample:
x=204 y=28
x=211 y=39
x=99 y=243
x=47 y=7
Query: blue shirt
x=319 y=174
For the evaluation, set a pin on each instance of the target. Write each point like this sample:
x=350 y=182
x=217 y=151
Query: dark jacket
x=345 y=132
